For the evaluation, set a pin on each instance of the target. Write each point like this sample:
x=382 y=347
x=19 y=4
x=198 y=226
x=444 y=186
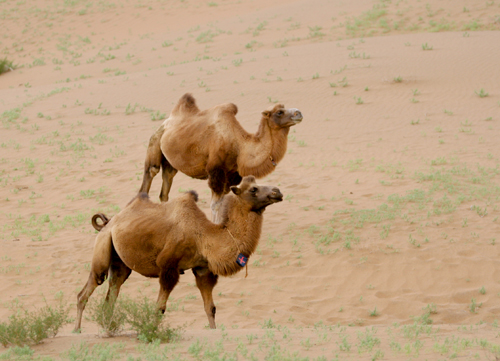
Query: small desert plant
x=374 y=312
x=6 y=65
x=474 y=306
x=130 y=109
x=358 y=100
x=26 y=327
x=146 y=319
x=17 y=353
x=158 y=115
x=101 y=352
x=431 y=308
x=481 y=93
x=425 y=319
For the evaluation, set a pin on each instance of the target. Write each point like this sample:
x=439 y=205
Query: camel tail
x=186 y=105
x=105 y=220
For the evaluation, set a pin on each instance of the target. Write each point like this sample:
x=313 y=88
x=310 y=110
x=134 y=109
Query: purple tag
x=242 y=260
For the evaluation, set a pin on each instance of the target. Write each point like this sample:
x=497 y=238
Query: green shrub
x=6 y=65
x=144 y=318
x=17 y=352
x=111 y=320
x=100 y=352
x=24 y=327
x=25 y=353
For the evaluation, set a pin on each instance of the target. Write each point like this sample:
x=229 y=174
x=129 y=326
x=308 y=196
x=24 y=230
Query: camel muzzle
x=296 y=115
x=276 y=195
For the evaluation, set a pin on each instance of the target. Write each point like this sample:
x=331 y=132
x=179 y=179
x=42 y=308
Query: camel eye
x=253 y=190
x=279 y=113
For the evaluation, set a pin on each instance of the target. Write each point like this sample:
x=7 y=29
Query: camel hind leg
x=168 y=173
x=101 y=262
x=206 y=281
x=118 y=274
x=153 y=160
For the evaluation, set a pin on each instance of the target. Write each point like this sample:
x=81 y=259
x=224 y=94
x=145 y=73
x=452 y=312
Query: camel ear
x=248 y=179
x=266 y=113
x=235 y=190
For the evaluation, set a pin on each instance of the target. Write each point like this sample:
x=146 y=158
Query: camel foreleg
x=167 y=261
x=217 y=181
x=168 y=279
x=206 y=281
x=215 y=204
x=220 y=190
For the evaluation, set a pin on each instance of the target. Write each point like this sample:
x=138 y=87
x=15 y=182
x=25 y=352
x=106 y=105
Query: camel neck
x=244 y=229
x=238 y=234
x=264 y=151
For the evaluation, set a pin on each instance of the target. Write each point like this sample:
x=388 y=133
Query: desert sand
x=391 y=182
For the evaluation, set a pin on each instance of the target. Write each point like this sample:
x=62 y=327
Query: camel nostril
x=276 y=194
x=297 y=115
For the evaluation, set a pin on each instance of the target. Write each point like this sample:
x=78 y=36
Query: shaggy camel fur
x=162 y=240
x=212 y=144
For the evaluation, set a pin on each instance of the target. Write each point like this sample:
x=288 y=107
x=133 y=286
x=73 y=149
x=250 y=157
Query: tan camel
x=212 y=144
x=162 y=240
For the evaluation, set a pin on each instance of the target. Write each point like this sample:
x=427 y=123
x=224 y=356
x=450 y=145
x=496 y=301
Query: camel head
x=258 y=197
x=279 y=117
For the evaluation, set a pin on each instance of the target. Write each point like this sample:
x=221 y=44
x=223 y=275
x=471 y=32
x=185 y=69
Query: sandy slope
x=391 y=181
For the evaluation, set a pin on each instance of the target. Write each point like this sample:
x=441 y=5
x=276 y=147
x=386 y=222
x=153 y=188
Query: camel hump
x=186 y=105
x=230 y=108
x=194 y=194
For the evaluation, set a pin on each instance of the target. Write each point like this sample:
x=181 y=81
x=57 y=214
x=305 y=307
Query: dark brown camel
x=162 y=240
x=211 y=144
